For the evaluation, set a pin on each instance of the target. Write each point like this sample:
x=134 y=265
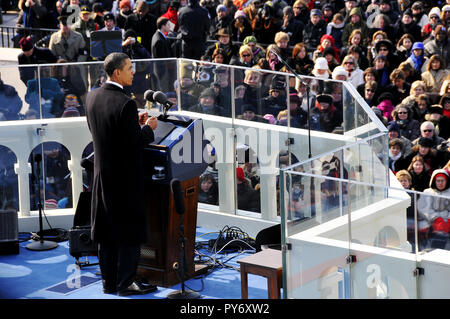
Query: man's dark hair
x=161 y=21
x=113 y=61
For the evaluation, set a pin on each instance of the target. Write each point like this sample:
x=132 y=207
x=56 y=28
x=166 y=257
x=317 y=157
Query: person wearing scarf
x=272 y=59
x=258 y=51
x=396 y=159
x=325 y=116
x=417 y=58
x=381 y=70
x=445 y=102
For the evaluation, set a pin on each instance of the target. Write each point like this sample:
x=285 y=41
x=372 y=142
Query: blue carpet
x=53 y=274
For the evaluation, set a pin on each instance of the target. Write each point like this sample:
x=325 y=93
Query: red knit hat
x=240 y=174
x=124 y=3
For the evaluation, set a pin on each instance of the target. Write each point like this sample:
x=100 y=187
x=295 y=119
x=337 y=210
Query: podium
x=173 y=154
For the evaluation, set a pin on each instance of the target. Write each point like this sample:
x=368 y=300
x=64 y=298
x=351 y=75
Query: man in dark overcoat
x=118 y=211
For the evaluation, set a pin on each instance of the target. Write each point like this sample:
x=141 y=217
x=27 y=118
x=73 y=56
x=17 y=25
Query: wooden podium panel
x=160 y=254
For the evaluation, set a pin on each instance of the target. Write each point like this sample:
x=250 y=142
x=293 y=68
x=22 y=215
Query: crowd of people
x=396 y=54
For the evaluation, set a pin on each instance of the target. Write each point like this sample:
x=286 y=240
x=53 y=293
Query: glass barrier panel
x=50 y=180
x=14 y=100
x=315 y=264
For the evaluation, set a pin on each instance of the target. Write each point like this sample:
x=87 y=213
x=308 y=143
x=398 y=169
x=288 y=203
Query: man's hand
x=152 y=122
x=143 y=117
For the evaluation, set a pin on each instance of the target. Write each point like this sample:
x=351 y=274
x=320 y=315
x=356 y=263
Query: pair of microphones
x=158 y=97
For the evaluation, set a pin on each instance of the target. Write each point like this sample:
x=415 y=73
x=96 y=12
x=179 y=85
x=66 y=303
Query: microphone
x=175 y=186
x=162 y=99
x=148 y=95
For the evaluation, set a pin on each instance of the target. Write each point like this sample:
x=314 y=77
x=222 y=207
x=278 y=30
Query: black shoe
x=137 y=289
x=109 y=288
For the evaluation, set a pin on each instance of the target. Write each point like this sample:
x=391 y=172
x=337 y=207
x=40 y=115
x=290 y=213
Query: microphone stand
x=41 y=244
x=307 y=97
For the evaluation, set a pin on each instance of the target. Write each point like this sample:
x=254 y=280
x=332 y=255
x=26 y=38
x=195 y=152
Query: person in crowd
x=407 y=25
x=382 y=73
x=327 y=41
x=274 y=63
x=383 y=23
x=353 y=40
x=394 y=133
x=281 y=40
x=249 y=114
x=426 y=149
x=417 y=89
x=246 y=58
x=224 y=42
x=420 y=178
x=222 y=20
x=98 y=11
x=385 y=105
x=276 y=100
x=419 y=15
x=436 y=210
x=439 y=45
x=369 y=75
x=85 y=25
x=399 y=88
x=445 y=103
x=404 y=45
x=207 y=103
x=435 y=75
x=255 y=90
x=354 y=74
x=240 y=27
x=125 y=10
x=335 y=28
x=417 y=58
x=427 y=130
x=208 y=191
x=291 y=26
x=258 y=51
x=300 y=60
x=386 y=48
x=369 y=95
x=356 y=22
x=441 y=122
x=32 y=55
x=434 y=16
x=161 y=48
x=397 y=159
x=301 y=11
x=110 y=23
x=314 y=30
x=10 y=102
x=67 y=44
x=72 y=107
x=32 y=14
x=141 y=80
x=266 y=24
x=143 y=22
x=324 y=115
x=371 y=48
x=409 y=127
x=247 y=197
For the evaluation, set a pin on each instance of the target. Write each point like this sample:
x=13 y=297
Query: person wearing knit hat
x=321 y=69
x=417 y=58
x=314 y=30
x=258 y=51
x=125 y=11
x=32 y=55
x=240 y=27
x=325 y=116
x=207 y=104
x=436 y=211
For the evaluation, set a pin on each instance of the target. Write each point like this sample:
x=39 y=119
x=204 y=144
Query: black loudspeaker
x=80 y=243
x=270 y=237
x=9 y=232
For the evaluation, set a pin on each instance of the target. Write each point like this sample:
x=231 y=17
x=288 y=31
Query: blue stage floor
x=53 y=274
